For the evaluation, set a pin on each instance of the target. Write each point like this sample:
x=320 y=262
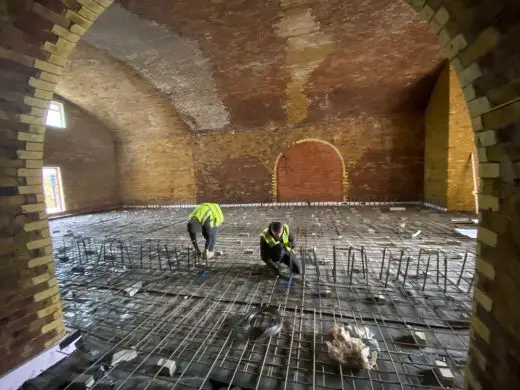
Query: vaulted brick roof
x=243 y=64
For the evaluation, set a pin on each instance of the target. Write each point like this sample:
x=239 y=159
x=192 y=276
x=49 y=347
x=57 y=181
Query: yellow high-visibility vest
x=272 y=241
x=207 y=212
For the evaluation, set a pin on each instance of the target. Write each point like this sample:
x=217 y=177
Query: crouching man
x=277 y=246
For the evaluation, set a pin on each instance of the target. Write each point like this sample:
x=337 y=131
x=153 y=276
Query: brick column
x=481 y=41
x=35 y=43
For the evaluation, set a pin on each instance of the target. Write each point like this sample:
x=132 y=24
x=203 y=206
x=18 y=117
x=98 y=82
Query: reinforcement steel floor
x=398 y=273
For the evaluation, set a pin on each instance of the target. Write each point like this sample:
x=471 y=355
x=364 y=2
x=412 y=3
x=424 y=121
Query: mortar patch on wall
x=174 y=64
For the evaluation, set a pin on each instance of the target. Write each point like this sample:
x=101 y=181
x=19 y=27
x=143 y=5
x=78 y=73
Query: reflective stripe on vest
x=272 y=241
x=206 y=211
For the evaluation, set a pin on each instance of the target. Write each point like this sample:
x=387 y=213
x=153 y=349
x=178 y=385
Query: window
x=55 y=115
x=53 y=190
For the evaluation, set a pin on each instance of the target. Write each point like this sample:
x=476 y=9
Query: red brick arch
x=308 y=171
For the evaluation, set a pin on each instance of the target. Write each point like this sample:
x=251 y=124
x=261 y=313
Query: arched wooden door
x=309 y=171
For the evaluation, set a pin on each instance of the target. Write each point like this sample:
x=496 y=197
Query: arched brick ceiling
x=242 y=64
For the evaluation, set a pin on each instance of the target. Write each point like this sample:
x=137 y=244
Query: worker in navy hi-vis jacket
x=277 y=246
x=206 y=217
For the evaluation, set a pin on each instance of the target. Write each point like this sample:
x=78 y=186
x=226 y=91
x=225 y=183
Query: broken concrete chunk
x=444 y=374
x=82 y=382
x=415 y=338
x=440 y=375
x=419 y=337
x=244 y=234
x=134 y=289
x=126 y=355
x=239 y=242
x=379 y=299
x=249 y=251
x=219 y=253
x=78 y=269
x=166 y=367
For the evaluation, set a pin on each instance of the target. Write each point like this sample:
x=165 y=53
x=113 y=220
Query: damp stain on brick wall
x=238 y=64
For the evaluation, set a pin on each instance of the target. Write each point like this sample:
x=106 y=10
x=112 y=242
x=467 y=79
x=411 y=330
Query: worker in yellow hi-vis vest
x=277 y=246
x=206 y=217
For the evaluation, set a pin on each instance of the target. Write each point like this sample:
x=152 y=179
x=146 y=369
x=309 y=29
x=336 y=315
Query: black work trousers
x=209 y=233
x=279 y=254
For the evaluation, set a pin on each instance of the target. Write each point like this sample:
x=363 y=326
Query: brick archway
x=479 y=38
x=309 y=171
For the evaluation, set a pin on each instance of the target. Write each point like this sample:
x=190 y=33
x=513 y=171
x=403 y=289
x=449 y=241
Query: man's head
x=276 y=229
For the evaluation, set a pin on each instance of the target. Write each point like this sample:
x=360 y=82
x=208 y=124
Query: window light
x=55 y=115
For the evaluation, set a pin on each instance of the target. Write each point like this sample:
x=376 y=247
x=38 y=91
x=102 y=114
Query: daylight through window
x=55 y=115
x=53 y=190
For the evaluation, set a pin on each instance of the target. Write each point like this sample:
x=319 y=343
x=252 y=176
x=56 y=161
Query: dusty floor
x=395 y=272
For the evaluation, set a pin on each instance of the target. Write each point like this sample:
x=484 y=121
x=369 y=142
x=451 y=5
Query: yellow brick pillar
x=449 y=147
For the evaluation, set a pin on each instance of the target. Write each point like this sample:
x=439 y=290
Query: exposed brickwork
x=85 y=152
x=436 y=142
x=383 y=157
x=152 y=144
x=448 y=171
x=480 y=39
x=461 y=147
x=156 y=152
x=242 y=64
x=34 y=42
x=309 y=171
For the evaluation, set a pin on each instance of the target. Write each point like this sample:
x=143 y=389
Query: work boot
x=209 y=254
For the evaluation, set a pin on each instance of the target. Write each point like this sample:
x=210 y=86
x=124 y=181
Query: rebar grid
x=188 y=315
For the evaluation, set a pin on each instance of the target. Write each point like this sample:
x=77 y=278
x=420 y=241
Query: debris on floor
x=414 y=338
x=440 y=375
x=126 y=355
x=351 y=352
x=460 y=220
x=133 y=289
x=471 y=233
x=249 y=251
x=166 y=367
x=397 y=208
x=416 y=234
x=324 y=291
x=379 y=299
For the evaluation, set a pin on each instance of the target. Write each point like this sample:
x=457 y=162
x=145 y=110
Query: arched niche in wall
x=310 y=170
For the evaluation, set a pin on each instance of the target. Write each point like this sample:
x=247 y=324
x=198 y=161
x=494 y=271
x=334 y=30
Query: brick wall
x=436 y=142
x=461 y=145
x=383 y=158
x=85 y=153
x=479 y=38
x=309 y=171
x=449 y=142
x=153 y=146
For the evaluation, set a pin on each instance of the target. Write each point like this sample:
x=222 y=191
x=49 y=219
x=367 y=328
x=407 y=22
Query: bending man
x=276 y=245
x=206 y=217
